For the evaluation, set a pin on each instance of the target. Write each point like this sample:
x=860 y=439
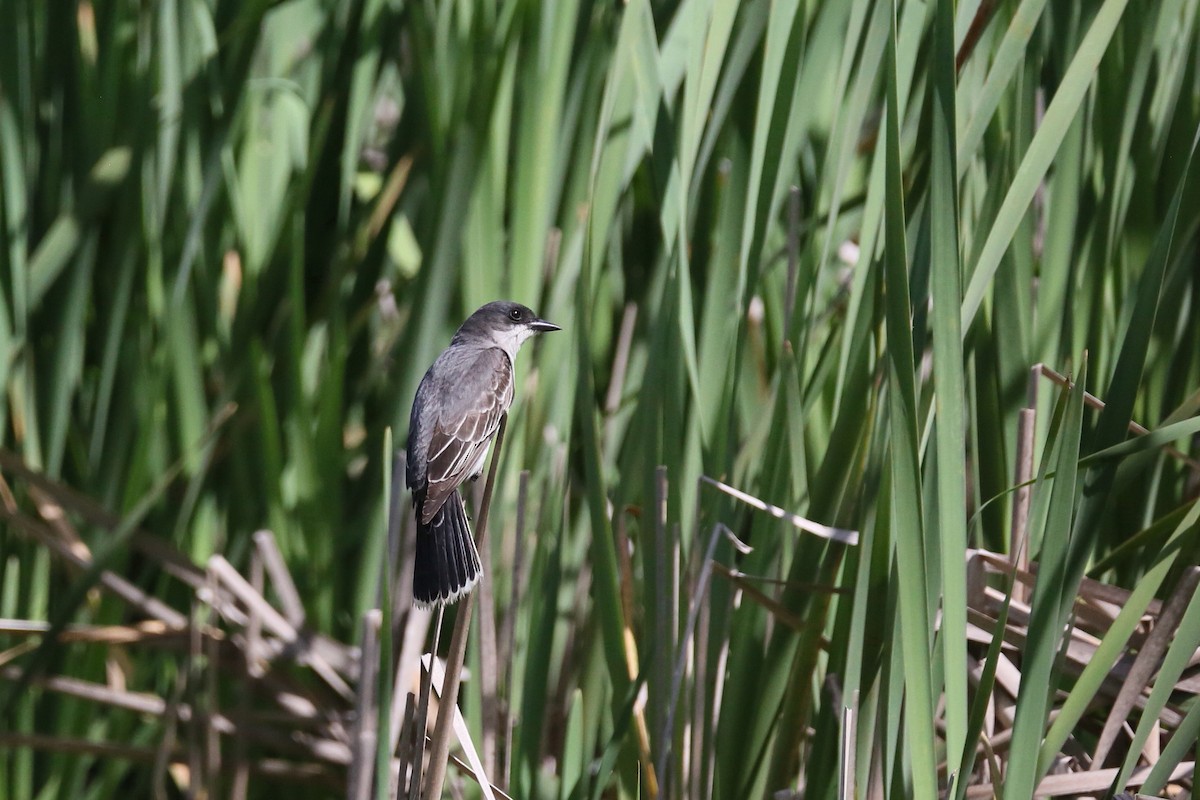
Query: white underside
x=477 y=468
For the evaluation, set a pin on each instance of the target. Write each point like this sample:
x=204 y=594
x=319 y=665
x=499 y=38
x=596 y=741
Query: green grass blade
x=1051 y=602
x=950 y=397
x=905 y=506
x=1041 y=152
x=1008 y=57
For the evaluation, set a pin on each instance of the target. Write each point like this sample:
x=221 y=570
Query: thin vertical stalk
x=440 y=746
x=361 y=772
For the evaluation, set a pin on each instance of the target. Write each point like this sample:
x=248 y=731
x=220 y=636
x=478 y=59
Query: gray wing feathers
x=462 y=424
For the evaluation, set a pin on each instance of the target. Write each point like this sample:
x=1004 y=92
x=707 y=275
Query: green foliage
x=233 y=234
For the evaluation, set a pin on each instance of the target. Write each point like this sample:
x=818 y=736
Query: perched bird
x=455 y=415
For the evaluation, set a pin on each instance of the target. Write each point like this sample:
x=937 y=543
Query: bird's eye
x=515 y=315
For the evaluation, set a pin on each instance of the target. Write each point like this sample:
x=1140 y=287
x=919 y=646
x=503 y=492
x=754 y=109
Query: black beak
x=541 y=326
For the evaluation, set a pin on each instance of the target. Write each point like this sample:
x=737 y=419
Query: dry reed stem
x=440 y=746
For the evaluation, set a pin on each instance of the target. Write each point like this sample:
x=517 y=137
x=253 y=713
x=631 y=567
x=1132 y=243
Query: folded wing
x=465 y=427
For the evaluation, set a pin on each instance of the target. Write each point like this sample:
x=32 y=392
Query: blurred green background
x=810 y=249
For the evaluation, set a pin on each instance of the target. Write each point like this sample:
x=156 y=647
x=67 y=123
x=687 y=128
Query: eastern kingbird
x=455 y=415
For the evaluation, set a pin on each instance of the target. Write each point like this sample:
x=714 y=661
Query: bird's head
x=503 y=324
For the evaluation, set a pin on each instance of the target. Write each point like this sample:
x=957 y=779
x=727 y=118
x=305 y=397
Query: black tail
x=447 y=563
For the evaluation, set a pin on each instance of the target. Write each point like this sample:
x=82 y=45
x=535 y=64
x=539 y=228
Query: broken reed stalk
x=848 y=762
x=419 y=732
x=359 y=779
x=1092 y=401
x=698 y=600
x=439 y=752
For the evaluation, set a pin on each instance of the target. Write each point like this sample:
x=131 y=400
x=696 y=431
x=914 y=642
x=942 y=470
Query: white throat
x=511 y=339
